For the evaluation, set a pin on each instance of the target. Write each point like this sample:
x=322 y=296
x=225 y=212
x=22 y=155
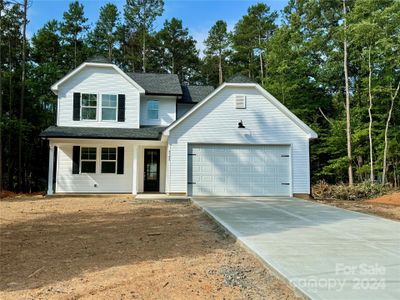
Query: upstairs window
x=108 y=107
x=88 y=160
x=89 y=107
x=108 y=160
x=152 y=109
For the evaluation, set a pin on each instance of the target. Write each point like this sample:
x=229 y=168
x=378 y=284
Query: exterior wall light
x=240 y=124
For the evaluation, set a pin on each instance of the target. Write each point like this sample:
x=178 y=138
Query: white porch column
x=135 y=174
x=51 y=170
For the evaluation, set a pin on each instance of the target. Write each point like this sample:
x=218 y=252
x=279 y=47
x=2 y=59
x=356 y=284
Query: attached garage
x=240 y=170
x=239 y=141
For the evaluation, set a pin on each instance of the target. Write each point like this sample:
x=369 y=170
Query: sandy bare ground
x=119 y=248
x=387 y=206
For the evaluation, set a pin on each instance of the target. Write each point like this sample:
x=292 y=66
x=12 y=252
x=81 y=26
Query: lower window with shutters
x=88 y=159
x=108 y=160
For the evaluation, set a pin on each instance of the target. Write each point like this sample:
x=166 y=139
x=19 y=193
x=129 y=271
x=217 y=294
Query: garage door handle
x=191 y=182
x=285 y=155
x=285 y=183
x=192 y=154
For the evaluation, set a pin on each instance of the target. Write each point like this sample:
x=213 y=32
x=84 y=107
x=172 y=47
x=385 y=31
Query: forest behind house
x=335 y=64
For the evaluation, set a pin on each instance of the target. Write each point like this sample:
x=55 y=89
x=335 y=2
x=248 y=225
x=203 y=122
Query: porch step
x=159 y=196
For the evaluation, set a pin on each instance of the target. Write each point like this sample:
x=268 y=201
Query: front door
x=151 y=170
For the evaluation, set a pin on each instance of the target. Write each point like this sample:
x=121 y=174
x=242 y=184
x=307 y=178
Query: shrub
x=359 y=191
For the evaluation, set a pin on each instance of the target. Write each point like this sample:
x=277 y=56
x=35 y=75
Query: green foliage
x=72 y=29
x=176 y=50
x=364 y=190
x=107 y=32
x=299 y=60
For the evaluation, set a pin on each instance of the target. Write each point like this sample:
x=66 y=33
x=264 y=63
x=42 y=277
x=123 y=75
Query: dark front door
x=151 y=170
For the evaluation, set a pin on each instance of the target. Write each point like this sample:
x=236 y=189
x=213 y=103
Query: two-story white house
x=120 y=132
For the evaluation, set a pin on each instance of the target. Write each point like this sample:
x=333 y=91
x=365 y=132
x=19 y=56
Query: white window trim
x=116 y=108
x=109 y=160
x=148 y=110
x=84 y=106
x=81 y=160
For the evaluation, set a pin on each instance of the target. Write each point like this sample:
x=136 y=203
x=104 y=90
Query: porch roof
x=143 y=133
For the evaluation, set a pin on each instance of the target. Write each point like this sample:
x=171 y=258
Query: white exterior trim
x=56 y=85
x=311 y=133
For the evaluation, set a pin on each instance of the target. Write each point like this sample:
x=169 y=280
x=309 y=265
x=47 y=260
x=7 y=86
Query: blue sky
x=197 y=15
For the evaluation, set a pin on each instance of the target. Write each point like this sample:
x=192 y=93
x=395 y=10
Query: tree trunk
x=371 y=158
x=1 y=103
x=144 y=51
x=21 y=108
x=346 y=79
x=221 y=80
x=75 y=50
x=11 y=157
x=393 y=97
x=261 y=61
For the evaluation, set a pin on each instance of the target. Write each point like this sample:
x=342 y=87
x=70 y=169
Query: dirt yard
x=119 y=248
x=387 y=206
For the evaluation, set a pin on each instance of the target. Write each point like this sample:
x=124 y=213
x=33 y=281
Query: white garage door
x=239 y=170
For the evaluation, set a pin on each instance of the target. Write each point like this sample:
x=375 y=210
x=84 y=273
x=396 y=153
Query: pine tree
x=217 y=44
x=72 y=28
x=139 y=19
x=105 y=35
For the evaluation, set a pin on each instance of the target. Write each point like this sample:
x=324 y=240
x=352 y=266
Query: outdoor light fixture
x=240 y=124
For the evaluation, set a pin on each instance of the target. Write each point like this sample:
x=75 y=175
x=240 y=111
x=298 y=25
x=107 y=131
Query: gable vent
x=240 y=101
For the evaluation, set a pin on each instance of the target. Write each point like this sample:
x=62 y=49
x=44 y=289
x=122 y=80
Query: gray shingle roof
x=158 y=84
x=195 y=93
x=145 y=133
x=239 y=78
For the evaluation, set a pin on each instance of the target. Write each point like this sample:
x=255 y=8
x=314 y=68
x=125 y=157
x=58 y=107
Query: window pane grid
x=108 y=107
x=88 y=160
x=108 y=160
x=89 y=107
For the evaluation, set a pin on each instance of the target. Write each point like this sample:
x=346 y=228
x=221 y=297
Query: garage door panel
x=246 y=170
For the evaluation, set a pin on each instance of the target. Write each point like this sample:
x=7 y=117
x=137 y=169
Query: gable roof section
x=158 y=84
x=311 y=133
x=56 y=85
x=195 y=93
x=239 y=78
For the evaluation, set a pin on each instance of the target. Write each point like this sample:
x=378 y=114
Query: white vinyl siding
x=166 y=110
x=66 y=182
x=217 y=122
x=99 y=81
x=98 y=182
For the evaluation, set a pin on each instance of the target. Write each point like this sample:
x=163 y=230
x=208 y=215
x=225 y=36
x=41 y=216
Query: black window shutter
x=76 y=152
x=121 y=108
x=120 y=163
x=77 y=107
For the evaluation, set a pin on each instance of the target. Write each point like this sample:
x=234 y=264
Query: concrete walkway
x=323 y=251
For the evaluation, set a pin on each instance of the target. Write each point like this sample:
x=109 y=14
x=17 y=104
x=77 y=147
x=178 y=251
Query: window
x=108 y=160
x=89 y=107
x=108 y=107
x=152 y=109
x=88 y=160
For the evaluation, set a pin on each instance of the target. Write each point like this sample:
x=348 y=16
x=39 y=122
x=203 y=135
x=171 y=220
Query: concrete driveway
x=323 y=251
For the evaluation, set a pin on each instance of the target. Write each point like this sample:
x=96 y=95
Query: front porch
x=105 y=166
